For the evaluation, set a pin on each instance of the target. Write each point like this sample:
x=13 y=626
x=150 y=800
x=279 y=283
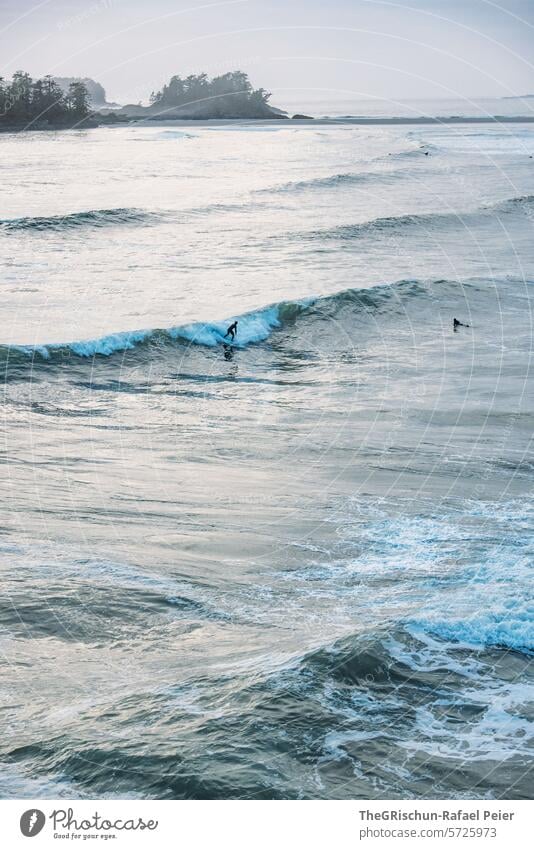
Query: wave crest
x=347 y=232
x=332 y=181
x=90 y=218
x=254 y=327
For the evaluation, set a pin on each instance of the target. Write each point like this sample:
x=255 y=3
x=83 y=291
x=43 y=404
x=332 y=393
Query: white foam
x=252 y=327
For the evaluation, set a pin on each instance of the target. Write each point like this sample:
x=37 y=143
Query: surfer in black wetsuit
x=231 y=332
x=456 y=324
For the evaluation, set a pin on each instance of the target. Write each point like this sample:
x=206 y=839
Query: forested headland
x=34 y=104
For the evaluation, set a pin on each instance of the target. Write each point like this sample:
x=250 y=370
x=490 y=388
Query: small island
x=197 y=97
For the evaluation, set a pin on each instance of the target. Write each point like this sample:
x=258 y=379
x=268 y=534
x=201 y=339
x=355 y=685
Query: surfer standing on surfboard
x=232 y=330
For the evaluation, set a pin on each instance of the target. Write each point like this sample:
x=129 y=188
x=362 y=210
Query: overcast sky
x=299 y=49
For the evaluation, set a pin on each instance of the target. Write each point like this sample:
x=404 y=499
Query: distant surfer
x=231 y=332
x=456 y=324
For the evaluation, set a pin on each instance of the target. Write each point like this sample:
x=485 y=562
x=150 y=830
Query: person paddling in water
x=231 y=332
x=456 y=324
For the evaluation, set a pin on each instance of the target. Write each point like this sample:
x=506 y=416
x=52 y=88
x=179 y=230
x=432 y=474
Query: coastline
x=323 y=121
x=332 y=121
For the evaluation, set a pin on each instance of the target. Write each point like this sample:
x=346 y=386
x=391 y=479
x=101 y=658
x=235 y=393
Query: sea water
x=300 y=566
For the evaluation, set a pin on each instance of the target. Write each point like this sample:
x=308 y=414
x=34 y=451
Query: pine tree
x=19 y=96
x=78 y=100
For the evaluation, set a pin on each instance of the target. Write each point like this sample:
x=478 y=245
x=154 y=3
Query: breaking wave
x=333 y=181
x=254 y=327
x=512 y=203
x=427 y=220
x=90 y=218
x=101 y=218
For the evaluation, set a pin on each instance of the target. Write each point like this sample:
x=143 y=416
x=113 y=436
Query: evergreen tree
x=78 y=99
x=19 y=96
x=55 y=106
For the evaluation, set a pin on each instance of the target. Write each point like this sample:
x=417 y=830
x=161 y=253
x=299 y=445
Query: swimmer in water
x=456 y=324
x=231 y=332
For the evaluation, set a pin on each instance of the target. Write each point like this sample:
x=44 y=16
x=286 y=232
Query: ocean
x=298 y=566
x=443 y=107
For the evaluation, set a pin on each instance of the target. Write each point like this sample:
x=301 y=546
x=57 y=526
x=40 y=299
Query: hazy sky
x=299 y=49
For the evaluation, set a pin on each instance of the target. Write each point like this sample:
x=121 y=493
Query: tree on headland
x=27 y=102
x=78 y=99
x=19 y=96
